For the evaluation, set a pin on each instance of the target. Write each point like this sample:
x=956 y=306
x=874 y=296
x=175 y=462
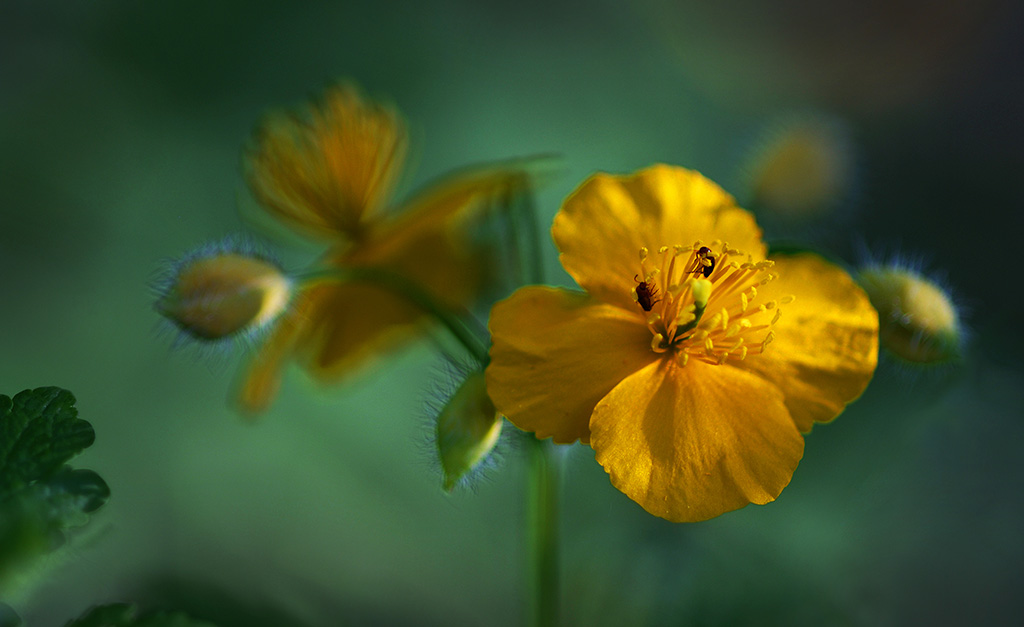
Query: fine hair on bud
x=920 y=322
x=222 y=293
x=467 y=438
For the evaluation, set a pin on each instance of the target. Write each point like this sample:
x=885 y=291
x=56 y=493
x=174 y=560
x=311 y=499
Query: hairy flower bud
x=802 y=168
x=222 y=293
x=918 y=321
x=467 y=429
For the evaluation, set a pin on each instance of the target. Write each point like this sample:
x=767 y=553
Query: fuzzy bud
x=215 y=296
x=467 y=429
x=918 y=321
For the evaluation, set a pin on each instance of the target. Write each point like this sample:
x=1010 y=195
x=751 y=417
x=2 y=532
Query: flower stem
x=542 y=516
x=416 y=295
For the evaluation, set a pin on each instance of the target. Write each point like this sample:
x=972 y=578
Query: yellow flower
x=691 y=364
x=329 y=175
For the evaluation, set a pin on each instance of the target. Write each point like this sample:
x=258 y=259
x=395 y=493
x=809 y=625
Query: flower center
x=700 y=301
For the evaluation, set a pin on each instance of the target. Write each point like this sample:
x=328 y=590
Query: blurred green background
x=121 y=126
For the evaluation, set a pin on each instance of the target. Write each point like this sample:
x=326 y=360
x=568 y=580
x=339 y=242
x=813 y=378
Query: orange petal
x=555 y=354
x=826 y=341
x=326 y=173
x=691 y=442
x=604 y=223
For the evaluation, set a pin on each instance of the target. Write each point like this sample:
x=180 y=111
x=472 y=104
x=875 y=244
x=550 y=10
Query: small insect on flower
x=704 y=263
x=222 y=291
x=646 y=294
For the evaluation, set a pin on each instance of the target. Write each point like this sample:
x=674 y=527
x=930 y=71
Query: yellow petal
x=453 y=199
x=604 y=223
x=260 y=378
x=826 y=340
x=433 y=242
x=555 y=354
x=326 y=173
x=691 y=442
x=350 y=323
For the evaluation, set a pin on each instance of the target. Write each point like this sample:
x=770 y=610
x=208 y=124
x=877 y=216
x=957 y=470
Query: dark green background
x=121 y=125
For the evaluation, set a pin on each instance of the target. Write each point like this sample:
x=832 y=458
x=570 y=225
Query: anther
x=785 y=300
x=656 y=342
x=739 y=327
x=653 y=318
x=663 y=250
x=743 y=303
x=767 y=340
x=778 y=314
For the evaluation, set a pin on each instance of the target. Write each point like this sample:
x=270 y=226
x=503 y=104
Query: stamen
x=785 y=300
x=656 y=343
x=778 y=314
x=739 y=327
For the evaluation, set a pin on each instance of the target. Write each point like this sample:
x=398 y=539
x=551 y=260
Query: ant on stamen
x=704 y=263
x=645 y=294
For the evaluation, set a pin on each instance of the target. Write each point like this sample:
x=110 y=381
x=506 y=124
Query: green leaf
x=39 y=432
x=123 y=615
x=41 y=498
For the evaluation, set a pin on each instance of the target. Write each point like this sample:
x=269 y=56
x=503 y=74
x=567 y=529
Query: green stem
x=532 y=227
x=542 y=513
x=415 y=294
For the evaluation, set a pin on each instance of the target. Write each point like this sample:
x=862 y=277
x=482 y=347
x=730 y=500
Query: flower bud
x=217 y=295
x=918 y=321
x=467 y=429
x=802 y=168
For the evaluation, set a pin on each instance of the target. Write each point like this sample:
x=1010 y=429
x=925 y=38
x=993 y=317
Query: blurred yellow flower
x=329 y=174
x=691 y=363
